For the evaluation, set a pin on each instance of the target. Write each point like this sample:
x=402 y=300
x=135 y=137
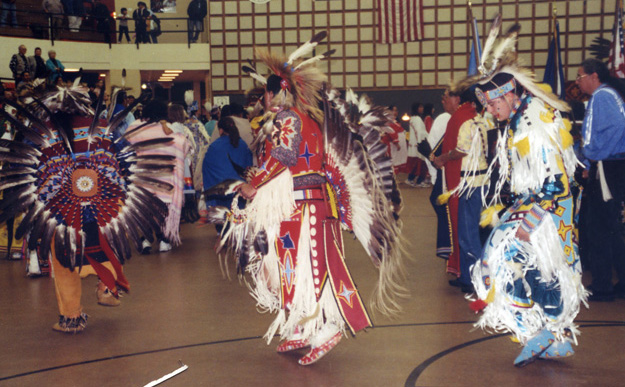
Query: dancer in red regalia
x=313 y=182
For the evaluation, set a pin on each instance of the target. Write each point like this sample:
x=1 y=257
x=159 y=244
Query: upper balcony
x=87 y=47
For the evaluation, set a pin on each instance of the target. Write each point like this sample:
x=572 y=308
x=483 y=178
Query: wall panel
x=236 y=26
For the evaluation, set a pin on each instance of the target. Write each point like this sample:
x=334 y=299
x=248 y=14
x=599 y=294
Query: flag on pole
x=399 y=21
x=616 y=63
x=476 y=50
x=554 y=71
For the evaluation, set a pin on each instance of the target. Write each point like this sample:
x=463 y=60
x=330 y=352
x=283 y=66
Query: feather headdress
x=89 y=187
x=302 y=80
x=500 y=56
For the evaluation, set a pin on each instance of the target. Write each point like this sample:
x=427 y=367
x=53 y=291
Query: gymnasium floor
x=181 y=308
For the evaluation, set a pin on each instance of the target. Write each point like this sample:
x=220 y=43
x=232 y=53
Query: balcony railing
x=40 y=25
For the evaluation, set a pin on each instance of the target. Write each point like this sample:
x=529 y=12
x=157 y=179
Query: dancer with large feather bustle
x=83 y=206
x=528 y=281
x=313 y=182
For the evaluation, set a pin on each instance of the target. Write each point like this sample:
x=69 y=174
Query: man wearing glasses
x=603 y=133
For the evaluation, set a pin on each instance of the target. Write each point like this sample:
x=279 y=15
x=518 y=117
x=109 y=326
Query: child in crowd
x=123 y=25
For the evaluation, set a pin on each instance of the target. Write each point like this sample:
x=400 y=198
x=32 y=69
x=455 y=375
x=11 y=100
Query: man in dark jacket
x=140 y=16
x=37 y=65
x=19 y=64
x=102 y=16
x=197 y=12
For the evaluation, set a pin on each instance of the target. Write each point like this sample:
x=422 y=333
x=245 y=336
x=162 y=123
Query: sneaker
x=71 y=325
x=164 y=247
x=146 y=247
x=411 y=183
x=106 y=297
x=317 y=353
x=425 y=184
x=16 y=256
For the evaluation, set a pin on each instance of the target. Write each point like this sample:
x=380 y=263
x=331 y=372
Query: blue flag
x=554 y=72
x=473 y=59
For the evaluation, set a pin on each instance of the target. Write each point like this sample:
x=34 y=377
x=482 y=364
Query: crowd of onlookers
x=33 y=71
x=147 y=25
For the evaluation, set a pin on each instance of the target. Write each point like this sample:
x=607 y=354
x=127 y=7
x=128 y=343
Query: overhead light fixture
x=405 y=117
x=103 y=75
x=71 y=70
x=166 y=80
x=144 y=86
x=173 y=71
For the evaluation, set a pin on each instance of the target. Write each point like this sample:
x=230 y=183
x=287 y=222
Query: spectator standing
x=37 y=65
x=155 y=27
x=461 y=111
x=19 y=64
x=102 y=16
x=417 y=170
x=217 y=165
x=197 y=12
x=237 y=113
x=55 y=67
x=75 y=11
x=215 y=112
x=8 y=7
x=431 y=149
x=140 y=16
x=472 y=177
x=603 y=139
x=123 y=25
x=54 y=11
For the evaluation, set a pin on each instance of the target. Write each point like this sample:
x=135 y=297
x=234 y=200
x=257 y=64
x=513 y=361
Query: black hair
x=592 y=65
x=578 y=110
x=428 y=109
x=155 y=110
x=414 y=109
x=273 y=84
x=229 y=127
x=37 y=48
x=121 y=97
x=237 y=109
x=214 y=113
x=123 y=9
x=226 y=111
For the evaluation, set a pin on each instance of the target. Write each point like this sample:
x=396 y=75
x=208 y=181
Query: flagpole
x=475 y=42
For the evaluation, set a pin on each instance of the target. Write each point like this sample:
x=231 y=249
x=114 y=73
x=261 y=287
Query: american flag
x=616 y=63
x=399 y=21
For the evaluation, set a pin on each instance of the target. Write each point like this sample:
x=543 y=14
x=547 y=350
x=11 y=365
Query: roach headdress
x=301 y=81
x=500 y=57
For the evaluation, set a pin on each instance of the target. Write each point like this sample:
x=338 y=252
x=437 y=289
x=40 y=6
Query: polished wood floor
x=181 y=308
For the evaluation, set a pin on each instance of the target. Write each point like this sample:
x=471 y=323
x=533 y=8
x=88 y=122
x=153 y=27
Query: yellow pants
x=68 y=287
